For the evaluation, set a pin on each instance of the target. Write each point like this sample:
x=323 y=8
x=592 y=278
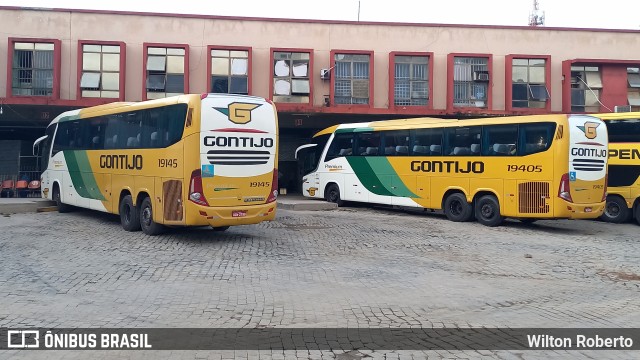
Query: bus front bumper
x=580 y=211
x=232 y=215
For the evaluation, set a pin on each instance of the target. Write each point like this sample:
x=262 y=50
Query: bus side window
x=341 y=145
x=460 y=140
x=536 y=137
x=427 y=142
x=368 y=144
x=396 y=143
x=499 y=140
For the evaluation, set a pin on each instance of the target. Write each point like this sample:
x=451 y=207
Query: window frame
x=392 y=82
x=508 y=89
x=121 y=73
x=231 y=48
x=450 y=86
x=57 y=63
x=145 y=57
x=332 y=56
x=287 y=105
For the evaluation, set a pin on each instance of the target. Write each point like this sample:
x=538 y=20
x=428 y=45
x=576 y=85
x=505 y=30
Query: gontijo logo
x=238 y=113
x=589 y=129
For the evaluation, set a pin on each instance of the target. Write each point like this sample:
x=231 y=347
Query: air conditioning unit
x=622 y=108
x=480 y=76
x=325 y=74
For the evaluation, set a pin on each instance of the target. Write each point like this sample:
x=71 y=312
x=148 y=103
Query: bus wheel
x=129 y=217
x=220 y=228
x=638 y=213
x=62 y=207
x=456 y=208
x=332 y=194
x=615 y=210
x=488 y=211
x=149 y=226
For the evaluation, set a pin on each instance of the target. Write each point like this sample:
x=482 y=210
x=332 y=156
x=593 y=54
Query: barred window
x=411 y=82
x=351 y=79
x=32 y=69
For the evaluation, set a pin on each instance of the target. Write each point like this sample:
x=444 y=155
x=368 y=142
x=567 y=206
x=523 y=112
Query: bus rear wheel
x=457 y=209
x=332 y=194
x=638 y=213
x=129 y=217
x=488 y=211
x=147 y=224
x=615 y=210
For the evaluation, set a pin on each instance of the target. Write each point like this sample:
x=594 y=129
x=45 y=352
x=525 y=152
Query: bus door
x=307 y=158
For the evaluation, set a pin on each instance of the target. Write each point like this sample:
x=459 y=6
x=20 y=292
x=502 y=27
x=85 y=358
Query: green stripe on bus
x=367 y=176
x=69 y=118
x=81 y=174
x=381 y=165
x=354 y=130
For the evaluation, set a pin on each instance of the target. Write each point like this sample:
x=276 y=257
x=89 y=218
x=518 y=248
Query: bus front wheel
x=332 y=194
x=129 y=217
x=147 y=224
x=62 y=207
x=457 y=209
x=638 y=213
x=488 y=211
x=615 y=210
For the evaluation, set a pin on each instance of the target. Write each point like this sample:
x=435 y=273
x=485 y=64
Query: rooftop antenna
x=358 y=10
x=536 y=16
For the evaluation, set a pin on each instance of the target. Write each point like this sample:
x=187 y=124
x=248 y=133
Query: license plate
x=587 y=209
x=238 y=213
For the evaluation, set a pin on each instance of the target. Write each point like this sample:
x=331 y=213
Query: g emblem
x=239 y=113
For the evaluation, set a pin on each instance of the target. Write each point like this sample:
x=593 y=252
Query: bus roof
x=618 y=115
x=413 y=123
x=116 y=107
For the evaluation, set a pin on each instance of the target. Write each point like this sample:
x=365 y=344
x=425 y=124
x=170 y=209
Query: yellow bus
x=186 y=160
x=527 y=167
x=623 y=200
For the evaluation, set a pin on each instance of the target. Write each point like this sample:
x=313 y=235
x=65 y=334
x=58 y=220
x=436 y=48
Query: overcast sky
x=610 y=14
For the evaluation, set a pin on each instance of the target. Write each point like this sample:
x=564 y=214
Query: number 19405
x=524 y=168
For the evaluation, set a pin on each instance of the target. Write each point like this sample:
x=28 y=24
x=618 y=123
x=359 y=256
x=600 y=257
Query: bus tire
x=62 y=207
x=488 y=211
x=147 y=224
x=332 y=195
x=638 y=213
x=615 y=210
x=220 y=228
x=129 y=217
x=457 y=209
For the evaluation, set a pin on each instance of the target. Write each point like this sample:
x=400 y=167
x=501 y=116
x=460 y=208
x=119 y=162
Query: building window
x=470 y=81
x=32 y=69
x=291 y=77
x=586 y=85
x=633 y=78
x=411 y=80
x=230 y=71
x=100 y=71
x=351 y=79
x=165 y=72
x=529 y=88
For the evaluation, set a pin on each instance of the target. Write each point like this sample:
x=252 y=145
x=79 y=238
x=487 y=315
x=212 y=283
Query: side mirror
x=36 y=145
